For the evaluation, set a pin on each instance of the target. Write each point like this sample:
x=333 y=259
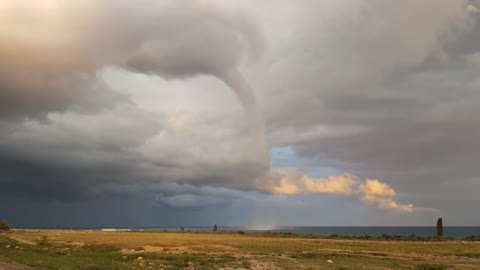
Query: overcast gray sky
x=257 y=113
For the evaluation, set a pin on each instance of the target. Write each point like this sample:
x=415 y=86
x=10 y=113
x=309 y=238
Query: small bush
x=473 y=238
x=4 y=226
x=43 y=241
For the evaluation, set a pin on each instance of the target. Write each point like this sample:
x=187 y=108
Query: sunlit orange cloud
x=335 y=184
x=381 y=194
x=286 y=188
x=377 y=188
x=371 y=192
x=291 y=181
x=388 y=203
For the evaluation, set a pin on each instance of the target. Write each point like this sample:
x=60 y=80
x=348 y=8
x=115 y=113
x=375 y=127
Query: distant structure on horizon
x=115 y=230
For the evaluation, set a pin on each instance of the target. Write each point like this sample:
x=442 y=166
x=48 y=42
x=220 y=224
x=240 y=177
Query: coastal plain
x=90 y=249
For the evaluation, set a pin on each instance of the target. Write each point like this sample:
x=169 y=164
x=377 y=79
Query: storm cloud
x=123 y=99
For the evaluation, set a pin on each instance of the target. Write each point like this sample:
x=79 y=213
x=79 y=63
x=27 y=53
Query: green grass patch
x=427 y=266
x=347 y=261
x=47 y=256
x=92 y=257
x=469 y=255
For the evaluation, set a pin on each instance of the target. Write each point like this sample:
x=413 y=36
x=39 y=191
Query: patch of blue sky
x=286 y=157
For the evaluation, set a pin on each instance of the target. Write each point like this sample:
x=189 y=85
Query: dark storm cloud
x=72 y=41
x=58 y=69
x=120 y=150
x=399 y=101
x=25 y=179
x=376 y=89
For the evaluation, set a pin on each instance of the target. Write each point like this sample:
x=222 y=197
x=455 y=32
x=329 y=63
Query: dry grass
x=269 y=252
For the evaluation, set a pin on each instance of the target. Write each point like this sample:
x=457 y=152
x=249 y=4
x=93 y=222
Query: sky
x=252 y=113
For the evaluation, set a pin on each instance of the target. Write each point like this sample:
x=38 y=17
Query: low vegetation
x=58 y=249
x=4 y=226
x=50 y=256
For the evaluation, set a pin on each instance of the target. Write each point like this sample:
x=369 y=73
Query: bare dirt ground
x=12 y=266
x=265 y=251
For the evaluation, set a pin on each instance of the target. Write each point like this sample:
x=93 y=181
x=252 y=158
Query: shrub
x=42 y=241
x=215 y=228
x=473 y=238
x=4 y=226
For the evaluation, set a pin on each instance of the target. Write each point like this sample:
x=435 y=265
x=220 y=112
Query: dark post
x=440 y=227
x=215 y=228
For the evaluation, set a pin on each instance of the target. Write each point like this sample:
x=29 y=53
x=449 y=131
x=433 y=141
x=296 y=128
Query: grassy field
x=63 y=249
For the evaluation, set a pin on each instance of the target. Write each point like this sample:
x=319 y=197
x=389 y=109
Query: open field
x=63 y=249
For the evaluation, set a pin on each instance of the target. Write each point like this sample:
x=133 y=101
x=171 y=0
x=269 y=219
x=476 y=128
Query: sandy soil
x=12 y=266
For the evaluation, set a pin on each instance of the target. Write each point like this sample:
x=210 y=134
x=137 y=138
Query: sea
x=449 y=231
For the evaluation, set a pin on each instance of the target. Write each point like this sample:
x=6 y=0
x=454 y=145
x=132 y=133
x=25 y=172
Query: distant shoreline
x=456 y=232
x=273 y=233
